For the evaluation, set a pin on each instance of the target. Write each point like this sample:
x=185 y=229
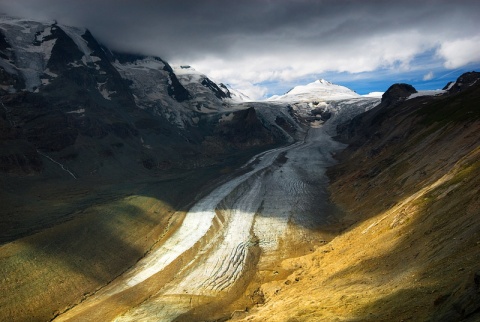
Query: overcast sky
x=265 y=47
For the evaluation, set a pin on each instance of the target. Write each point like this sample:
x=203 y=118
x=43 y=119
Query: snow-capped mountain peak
x=323 y=81
x=205 y=88
x=320 y=89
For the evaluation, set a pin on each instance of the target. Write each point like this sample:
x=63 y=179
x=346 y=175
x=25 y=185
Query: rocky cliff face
x=397 y=92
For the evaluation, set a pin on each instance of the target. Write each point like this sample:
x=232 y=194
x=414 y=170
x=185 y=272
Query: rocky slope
x=409 y=247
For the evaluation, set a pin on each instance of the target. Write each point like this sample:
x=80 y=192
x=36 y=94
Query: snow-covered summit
x=319 y=90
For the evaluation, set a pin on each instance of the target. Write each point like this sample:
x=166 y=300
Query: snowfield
x=427 y=93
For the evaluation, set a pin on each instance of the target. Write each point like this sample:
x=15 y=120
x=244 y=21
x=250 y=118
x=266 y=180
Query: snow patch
x=49 y=73
x=316 y=124
x=76 y=35
x=451 y=85
x=79 y=111
x=8 y=88
x=226 y=117
x=204 y=109
x=145 y=64
x=75 y=64
x=104 y=91
x=435 y=92
x=374 y=94
x=9 y=68
x=45 y=33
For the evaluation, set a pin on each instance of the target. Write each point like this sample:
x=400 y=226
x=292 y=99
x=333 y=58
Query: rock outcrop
x=463 y=82
x=397 y=92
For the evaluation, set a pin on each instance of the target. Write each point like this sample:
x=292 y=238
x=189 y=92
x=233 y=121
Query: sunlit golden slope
x=410 y=249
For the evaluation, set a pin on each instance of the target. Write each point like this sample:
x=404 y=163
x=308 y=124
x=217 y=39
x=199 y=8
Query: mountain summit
x=318 y=90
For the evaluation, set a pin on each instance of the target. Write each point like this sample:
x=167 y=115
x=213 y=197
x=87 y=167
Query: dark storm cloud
x=291 y=38
x=190 y=28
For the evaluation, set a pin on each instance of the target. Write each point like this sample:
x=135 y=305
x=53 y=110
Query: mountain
x=69 y=100
x=408 y=244
x=205 y=89
x=106 y=155
x=75 y=114
x=318 y=90
x=98 y=150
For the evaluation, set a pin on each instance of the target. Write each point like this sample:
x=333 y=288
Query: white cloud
x=254 y=92
x=392 y=51
x=428 y=76
x=460 y=52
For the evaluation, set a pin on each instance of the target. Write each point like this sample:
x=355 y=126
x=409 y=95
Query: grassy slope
x=411 y=245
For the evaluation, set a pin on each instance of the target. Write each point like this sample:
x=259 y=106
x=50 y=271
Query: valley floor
x=229 y=241
x=264 y=242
